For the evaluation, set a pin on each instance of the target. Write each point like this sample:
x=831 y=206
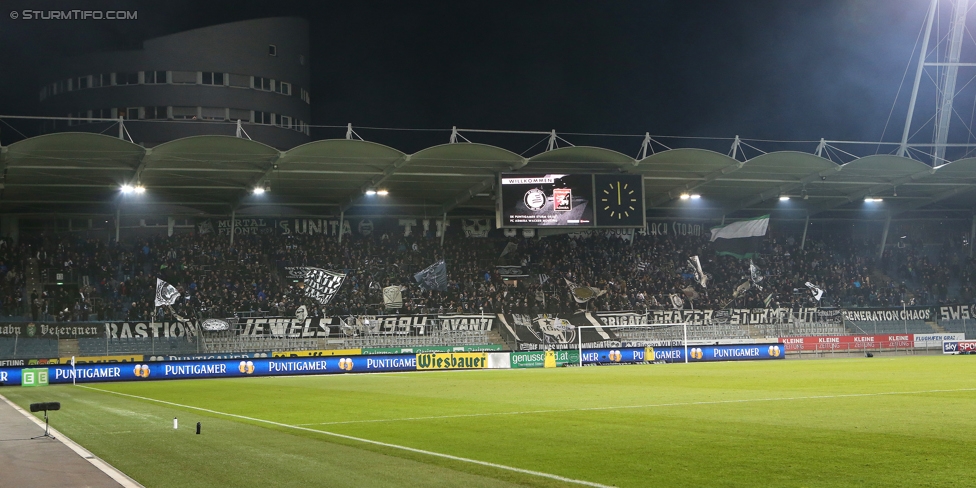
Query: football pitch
x=884 y=421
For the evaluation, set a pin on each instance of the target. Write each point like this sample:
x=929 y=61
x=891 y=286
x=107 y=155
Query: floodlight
x=784 y=198
x=370 y=192
x=140 y=189
x=685 y=196
x=871 y=200
x=258 y=190
x=695 y=196
x=127 y=188
x=382 y=193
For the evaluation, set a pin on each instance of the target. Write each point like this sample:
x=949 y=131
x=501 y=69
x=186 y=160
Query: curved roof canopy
x=77 y=173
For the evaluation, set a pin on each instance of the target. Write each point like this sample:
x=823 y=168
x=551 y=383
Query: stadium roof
x=79 y=173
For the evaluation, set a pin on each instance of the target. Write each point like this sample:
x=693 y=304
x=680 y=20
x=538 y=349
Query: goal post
x=648 y=327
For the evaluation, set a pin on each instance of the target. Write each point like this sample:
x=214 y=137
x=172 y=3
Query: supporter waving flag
x=434 y=277
x=319 y=284
x=700 y=275
x=166 y=293
x=740 y=239
x=583 y=294
x=755 y=275
x=816 y=290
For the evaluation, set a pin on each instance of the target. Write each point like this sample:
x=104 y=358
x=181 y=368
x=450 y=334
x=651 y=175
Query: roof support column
x=342 y=223
x=884 y=234
x=118 y=212
x=233 y=225
x=806 y=225
x=121 y=129
x=972 y=235
x=443 y=228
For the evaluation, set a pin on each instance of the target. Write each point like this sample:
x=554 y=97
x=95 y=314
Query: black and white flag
x=543 y=278
x=393 y=296
x=643 y=266
x=700 y=275
x=510 y=247
x=434 y=277
x=583 y=294
x=816 y=290
x=755 y=275
x=166 y=293
x=320 y=284
x=677 y=302
x=739 y=290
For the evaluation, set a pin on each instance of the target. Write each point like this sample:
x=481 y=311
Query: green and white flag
x=740 y=239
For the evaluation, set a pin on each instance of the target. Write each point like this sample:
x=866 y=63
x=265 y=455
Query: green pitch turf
x=902 y=421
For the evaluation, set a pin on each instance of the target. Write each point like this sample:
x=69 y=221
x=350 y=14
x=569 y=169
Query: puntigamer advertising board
x=340 y=364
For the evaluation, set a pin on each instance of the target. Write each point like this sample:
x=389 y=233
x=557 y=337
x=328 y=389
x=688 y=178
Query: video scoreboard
x=571 y=200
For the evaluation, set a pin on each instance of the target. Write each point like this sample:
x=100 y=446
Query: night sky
x=765 y=70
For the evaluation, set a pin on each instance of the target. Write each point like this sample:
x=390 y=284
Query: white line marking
x=120 y=477
x=367 y=441
x=650 y=405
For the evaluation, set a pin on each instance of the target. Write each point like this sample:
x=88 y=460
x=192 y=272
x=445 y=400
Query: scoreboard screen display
x=571 y=200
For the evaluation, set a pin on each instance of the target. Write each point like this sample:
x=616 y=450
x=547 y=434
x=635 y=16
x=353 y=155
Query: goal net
x=652 y=335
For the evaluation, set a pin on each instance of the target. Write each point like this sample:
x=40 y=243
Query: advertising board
x=458 y=360
x=959 y=347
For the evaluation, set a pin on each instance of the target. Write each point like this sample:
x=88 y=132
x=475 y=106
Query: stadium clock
x=619 y=200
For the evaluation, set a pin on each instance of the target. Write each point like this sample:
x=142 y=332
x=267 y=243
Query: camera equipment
x=45 y=407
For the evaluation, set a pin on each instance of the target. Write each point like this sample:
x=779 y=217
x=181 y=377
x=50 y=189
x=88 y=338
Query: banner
x=104 y=359
x=957 y=312
x=888 y=314
x=206 y=357
x=144 y=330
x=460 y=360
x=476 y=227
x=549 y=331
x=52 y=331
x=674 y=228
x=676 y=354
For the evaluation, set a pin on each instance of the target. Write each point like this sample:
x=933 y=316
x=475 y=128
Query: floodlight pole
x=118 y=212
x=806 y=225
x=918 y=78
x=884 y=235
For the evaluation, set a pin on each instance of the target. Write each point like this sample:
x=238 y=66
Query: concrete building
x=200 y=81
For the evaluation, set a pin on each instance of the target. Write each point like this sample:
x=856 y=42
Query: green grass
x=903 y=421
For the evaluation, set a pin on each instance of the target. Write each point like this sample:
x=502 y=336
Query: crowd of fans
x=117 y=281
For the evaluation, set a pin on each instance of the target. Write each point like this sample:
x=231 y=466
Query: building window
x=241 y=81
x=155 y=77
x=266 y=84
x=59 y=87
x=213 y=113
x=155 y=112
x=211 y=78
x=305 y=96
x=301 y=59
x=240 y=114
x=127 y=78
x=185 y=77
x=272 y=50
x=284 y=121
x=132 y=113
x=263 y=118
x=81 y=83
x=283 y=88
x=43 y=92
x=185 y=113
x=103 y=79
